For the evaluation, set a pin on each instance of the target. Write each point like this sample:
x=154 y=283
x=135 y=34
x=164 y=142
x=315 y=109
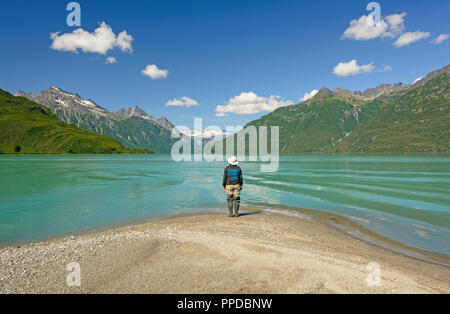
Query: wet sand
x=211 y=253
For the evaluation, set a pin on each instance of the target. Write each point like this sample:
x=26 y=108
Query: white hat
x=233 y=161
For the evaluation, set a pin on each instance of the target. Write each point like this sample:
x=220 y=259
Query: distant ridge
x=388 y=118
x=432 y=75
x=133 y=127
x=367 y=95
x=137 y=112
x=27 y=127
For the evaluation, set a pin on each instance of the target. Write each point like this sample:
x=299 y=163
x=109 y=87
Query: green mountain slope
x=145 y=135
x=27 y=127
x=132 y=127
x=416 y=121
x=401 y=118
x=131 y=132
x=314 y=125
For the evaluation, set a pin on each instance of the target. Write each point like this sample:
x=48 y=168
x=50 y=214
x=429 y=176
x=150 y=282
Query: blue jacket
x=232 y=176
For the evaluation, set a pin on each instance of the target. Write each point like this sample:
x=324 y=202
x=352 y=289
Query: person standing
x=232 y=184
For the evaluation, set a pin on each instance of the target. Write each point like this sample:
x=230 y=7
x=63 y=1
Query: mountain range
x=388 y=118
x=27 y=127
x=132 y=127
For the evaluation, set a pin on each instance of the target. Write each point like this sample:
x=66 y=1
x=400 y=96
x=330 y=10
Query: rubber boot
x=237 y=203
x=230 y=205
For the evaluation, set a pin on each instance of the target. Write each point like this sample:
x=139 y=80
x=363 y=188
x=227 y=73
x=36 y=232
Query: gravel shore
x=211 y=253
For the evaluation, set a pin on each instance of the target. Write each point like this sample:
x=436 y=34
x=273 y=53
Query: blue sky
x=216 y=50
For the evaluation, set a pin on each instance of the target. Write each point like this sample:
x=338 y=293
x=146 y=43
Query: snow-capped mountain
x=57 y=99
x=206 y=133
x=137 y=112
x=133 y=127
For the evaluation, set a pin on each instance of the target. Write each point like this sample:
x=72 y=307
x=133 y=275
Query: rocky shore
x=211 y=253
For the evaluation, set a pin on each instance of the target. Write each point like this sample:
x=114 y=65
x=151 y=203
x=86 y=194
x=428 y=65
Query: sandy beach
x=211 y=253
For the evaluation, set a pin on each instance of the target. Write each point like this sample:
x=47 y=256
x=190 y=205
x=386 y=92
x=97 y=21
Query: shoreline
x=337 y=222
x=354 y=229
x=186 y=246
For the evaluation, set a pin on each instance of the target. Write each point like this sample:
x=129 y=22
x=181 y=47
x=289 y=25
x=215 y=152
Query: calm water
x=404 y=198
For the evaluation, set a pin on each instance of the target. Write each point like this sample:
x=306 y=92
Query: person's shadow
x=248 y=214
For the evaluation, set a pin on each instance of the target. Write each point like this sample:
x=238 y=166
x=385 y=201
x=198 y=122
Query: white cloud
x=409 y=38
x=364 y=29
x=251 y=103
x=100 y=41
x=344 y=69
x=441 y=38
x=124 y=41
x=309 y=95
x=154 y=72
x=110 y=60
x=391 y=26
x=417 y=79
x=386 y=68
x=182 y=102
x=396 y=24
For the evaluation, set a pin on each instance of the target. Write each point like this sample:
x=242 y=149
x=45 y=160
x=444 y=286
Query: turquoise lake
x=406 y=198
